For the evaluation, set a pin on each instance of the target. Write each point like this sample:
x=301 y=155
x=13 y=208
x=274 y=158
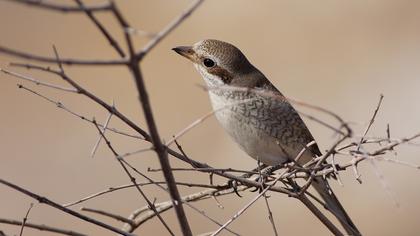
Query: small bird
x=256 y=115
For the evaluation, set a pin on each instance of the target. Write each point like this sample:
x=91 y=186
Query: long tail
x=334 y=206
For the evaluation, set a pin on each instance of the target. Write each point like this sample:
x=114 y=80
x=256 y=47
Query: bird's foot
x=261 y=180
x=264 y=177
x=234 y=185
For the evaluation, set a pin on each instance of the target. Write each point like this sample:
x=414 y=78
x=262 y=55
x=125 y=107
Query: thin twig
x=63 y=107
x=114 y=44
x=80 y=62
x=37 y=82
x=63 y=8
x=55 y=205
x=140 y=32
x=41 y=227
x=127 y=154
x=132 y=179
x=104 y=128
x=392 y=145
x=108 y=214
x=25 y=219
x=370 y=122
x=270 y=213
x=112 y=189
x=169 y=28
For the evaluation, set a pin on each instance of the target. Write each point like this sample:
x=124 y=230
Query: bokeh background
x=340 y=55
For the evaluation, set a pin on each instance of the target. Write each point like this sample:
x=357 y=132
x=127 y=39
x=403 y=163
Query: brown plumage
x=255 y=114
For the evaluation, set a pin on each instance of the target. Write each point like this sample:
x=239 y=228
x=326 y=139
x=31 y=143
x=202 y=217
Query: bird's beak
x=185 y=51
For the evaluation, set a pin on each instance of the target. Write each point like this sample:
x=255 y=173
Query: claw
x=261 y=180
x=234 y=185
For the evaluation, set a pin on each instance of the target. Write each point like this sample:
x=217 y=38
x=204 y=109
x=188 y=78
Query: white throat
x=210 y=79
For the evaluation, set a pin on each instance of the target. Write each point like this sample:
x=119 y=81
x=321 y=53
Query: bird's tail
x=334 y=206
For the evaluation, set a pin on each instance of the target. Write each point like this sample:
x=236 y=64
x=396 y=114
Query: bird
x=256 y=114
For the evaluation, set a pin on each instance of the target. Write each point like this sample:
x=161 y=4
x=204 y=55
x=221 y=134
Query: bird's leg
x=234 y=184
x=258 y=170
x=260 y=179
x=264 y=174
x=271 y=169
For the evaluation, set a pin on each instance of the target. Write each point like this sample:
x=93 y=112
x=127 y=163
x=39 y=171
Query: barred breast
x=267 y=128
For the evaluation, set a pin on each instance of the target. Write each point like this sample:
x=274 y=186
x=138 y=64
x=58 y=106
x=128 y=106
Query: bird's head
x=218 y=62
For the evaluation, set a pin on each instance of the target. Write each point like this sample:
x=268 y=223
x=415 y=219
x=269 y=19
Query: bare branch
x=390 y=146
x=108 y=214
x=55 y=205
x=37 y=82
x=370 y=122
x=169 y=28
x=112 y=189
x=41 y=227
x=140 y=32
x=270 y=215
x=103 y=129
x=80 y=62
x=132 y=179
x=25 y=219
x=63 y=107
x=101 y=27
x=62 y=8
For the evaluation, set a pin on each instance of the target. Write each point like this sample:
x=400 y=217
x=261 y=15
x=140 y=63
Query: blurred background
x=340 y=55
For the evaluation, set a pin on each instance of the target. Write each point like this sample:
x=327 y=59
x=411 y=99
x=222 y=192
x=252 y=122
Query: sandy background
x=340 y=55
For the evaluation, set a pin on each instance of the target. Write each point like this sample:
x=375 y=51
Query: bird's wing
x=289 y=126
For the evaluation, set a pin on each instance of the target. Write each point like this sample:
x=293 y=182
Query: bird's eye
x=209 y=62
